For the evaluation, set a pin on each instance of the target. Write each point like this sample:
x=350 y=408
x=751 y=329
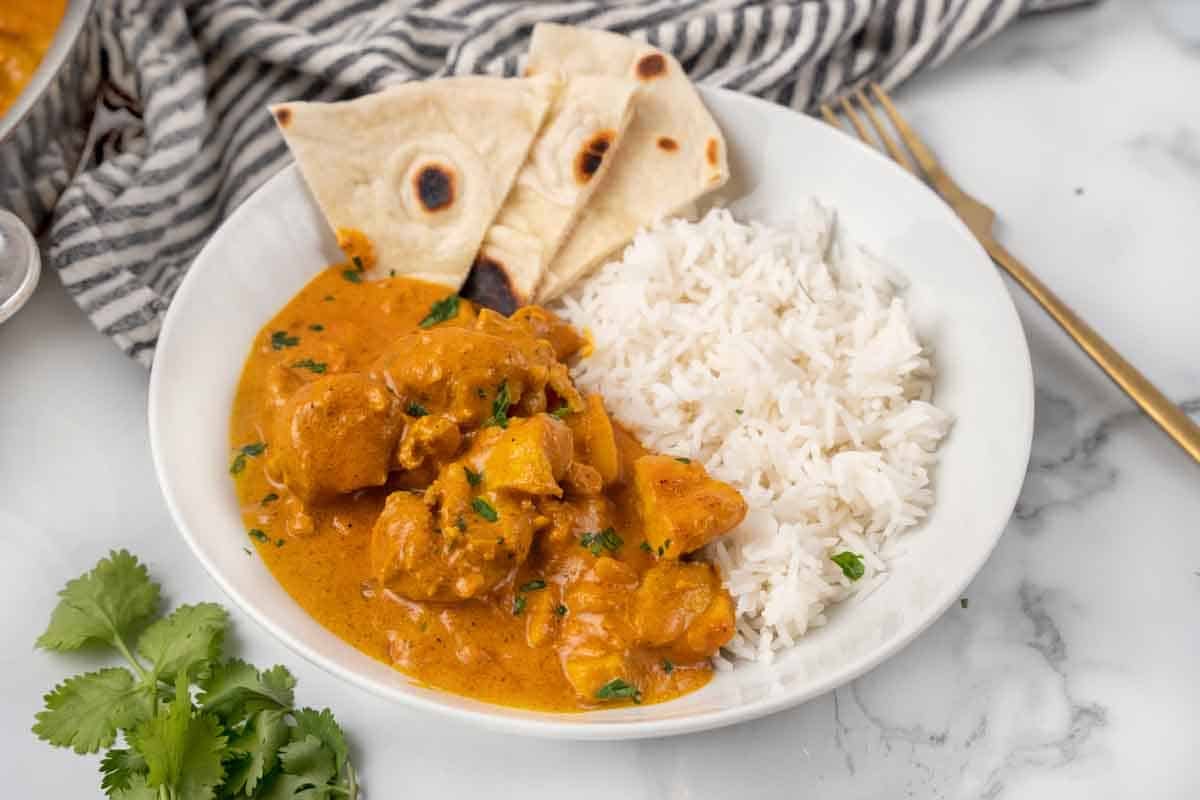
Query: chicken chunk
x=473 y=376
x=682 y=508
x=532 y=456
x=335 y=435
x=595 y=439
x=683 y=608
x=431 y=438
x=545 y=324
x=453 y=544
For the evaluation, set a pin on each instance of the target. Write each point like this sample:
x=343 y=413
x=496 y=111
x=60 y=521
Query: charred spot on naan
x=435 y=186
x=668 y=144
x=651 y=66
x=712 y=152
x=489 y=285
x=591 y=155
x=283 y=115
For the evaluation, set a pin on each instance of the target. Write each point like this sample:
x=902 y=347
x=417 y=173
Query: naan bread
x=570 y=156
x=673 y=151
x=421 y=168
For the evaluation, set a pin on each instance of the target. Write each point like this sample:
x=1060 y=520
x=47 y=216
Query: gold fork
x=979 y=218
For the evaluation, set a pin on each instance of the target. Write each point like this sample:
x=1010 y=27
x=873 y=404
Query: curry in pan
x=26 y=30
x=426 y=481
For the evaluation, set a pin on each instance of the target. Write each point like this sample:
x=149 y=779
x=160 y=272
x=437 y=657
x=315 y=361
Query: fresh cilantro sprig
x=193 y=727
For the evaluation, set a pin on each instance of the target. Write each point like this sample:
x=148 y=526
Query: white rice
x=786 y=362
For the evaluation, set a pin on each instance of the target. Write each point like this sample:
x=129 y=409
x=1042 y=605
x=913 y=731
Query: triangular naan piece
x=581 y=135
x=673 y=151
x=421 y=168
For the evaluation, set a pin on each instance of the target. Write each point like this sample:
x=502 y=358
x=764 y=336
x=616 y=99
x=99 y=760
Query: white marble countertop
x=1072 y=673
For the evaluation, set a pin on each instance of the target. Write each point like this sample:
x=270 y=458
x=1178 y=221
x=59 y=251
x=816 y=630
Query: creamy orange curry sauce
x=26 y=30
x=426 y=481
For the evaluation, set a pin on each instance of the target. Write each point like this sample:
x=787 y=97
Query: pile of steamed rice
x=785 y=361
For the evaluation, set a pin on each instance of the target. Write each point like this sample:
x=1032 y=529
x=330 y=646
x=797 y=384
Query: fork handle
x=1170 y=417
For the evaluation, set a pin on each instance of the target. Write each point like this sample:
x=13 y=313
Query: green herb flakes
x=461 y=524
x=739 y=411
x=618 y=689
x=316 y=326
x=533 y=585
x=518 y=605
x=683 y=459
x=562 y=412
x=268 y=498
x=473 y=478
x=255 y=533
x=312 y=366
x=500 y=406
x=598 y=541
x=646 y=546
x=358 y=263
x=484 y=509
x=280 y=542
x=416 y=410
x=246 y=451
x=280 y=340
x=560 y=610
x=352 y=275
x=440 y=311
x=851 y=564
x=667 y=666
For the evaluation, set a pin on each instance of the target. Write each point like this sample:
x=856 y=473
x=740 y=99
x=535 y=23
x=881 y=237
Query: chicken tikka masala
x=424 y=478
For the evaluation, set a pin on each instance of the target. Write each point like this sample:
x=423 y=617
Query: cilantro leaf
x=235 y=690
x=500 y=406
x=851 y=564
x=618 y=689
x=185 y=640
x=473 y=478
x=440 y=311
x=103 y=604
x=280 y=340
x=259 y=743
x=84 y=712
x=118 y=769
x=308 y=759
x=183 y=751
x=484 y=509
x=322 y=725
x=137 y=789
x=318 y=367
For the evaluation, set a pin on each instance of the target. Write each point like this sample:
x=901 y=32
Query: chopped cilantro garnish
x=667 y=666
x=484 y=509
x=440 y=311
x=268 y=498
x=739 y=411
x=280 y=542
x=354 y=276
x=561 y=412
x=646 y=546
x=316 y=326
x=358 y=263
x=255 y=533
x=416 y=410
x=664 y=547
x=280 y=340
x=618 y=689
x=561 y=610
x=533 y=585
x=683 y=459
x=482 y=393
x=460 y=523
x=473 y=478
x=391 y=273
x=499 y=407
x=851 y=564
x=606 y=539
x=310 y=365
x=244 y=452
x=518 y=605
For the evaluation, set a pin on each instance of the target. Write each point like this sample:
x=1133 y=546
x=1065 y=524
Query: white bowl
x=277 y=241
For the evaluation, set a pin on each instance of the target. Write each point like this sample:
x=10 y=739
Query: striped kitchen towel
x=180 y=135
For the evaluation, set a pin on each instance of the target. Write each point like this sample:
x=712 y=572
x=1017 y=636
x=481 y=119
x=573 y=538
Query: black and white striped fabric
x=181 y=137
